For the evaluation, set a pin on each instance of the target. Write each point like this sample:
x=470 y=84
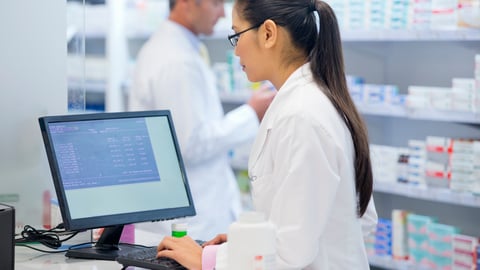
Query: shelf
x=347 y=35
x=388 y=263
x=148 y=20
x=447 y=116
x=428 y=193
x=411 y=35
x=354 y=35
x=420 y=114
x=89 y=85
x=382 y=110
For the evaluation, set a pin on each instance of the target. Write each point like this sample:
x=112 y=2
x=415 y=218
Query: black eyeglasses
x=234 y=38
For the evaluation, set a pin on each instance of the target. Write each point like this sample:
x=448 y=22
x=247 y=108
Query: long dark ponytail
x=327 y=65
x=322 y=46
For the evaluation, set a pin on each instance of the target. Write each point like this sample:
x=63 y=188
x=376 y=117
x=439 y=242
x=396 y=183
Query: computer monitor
x=113 y=169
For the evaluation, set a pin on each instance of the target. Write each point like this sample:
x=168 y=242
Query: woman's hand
x=219 y=239
x=184 y=250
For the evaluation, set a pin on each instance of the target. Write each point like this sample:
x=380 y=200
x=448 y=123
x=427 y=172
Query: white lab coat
x=301 y=168
x=171 y=74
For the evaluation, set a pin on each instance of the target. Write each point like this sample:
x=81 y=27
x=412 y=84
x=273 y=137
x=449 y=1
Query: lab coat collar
x=193 y=39
x=302 y=73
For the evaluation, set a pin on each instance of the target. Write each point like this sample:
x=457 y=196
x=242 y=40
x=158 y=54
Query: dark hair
x=322 y=46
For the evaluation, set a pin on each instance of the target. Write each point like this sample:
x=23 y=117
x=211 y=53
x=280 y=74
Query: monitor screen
x=113 y=169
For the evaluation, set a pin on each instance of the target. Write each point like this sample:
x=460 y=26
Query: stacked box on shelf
x=417 y=155
x=383 y=238
x=397 y=14
x=418 y=97
x=437 y=167
x=384 y=162
x=355 y=88
x=376 y=14
x=462 y=166
x=402 y=168
x=399 y=235
x=465 y=90
x=477 y=82
x=440 y=245
x=460 y=97
x=476 y=168
x=444 y=14
x=379 y=94
x=418 y=238
x=441 y=98
x=478 y=256
x=370 y=244
x=401 y=171
x=464 y=94
x=419 y=14
x=464 y=252
x=355 y=15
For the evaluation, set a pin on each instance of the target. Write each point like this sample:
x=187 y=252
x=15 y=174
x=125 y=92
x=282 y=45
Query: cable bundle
x=49 y=238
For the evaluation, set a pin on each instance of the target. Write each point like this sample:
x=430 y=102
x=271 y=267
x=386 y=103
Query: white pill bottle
x=251 y=243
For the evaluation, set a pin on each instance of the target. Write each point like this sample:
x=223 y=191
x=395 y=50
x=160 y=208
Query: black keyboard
x=146 y=258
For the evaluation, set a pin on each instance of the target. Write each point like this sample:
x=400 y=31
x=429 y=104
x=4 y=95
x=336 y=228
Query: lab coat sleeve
x=308 y=182
x=369 y=219
x=185 y=89
x=209 y=257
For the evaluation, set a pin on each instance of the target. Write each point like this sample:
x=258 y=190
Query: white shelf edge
x=89 y=85
x=448 y=116
x=428 y=193
x=410 y=35
x=420 y=114
x=389 y=263
x=382 y=110
x=347 y=35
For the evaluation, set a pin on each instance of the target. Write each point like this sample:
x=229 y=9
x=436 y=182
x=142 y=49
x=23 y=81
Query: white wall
x=32 y=83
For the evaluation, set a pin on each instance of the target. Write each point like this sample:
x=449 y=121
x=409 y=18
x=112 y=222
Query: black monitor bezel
x=117 y=219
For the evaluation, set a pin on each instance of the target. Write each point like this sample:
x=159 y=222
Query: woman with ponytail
x=310 y=164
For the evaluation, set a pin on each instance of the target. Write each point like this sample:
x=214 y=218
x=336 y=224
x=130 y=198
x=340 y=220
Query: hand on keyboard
x=147 y=257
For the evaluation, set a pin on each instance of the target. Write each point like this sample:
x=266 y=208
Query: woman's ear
x=270 y=35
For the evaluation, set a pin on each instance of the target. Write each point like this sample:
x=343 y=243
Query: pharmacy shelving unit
x=425 y=58
x=404 y=58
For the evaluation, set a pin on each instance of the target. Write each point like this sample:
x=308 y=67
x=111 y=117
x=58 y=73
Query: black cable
x=49 y=238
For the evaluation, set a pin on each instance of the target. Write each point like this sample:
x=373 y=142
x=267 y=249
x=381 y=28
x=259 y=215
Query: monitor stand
x=107 y=247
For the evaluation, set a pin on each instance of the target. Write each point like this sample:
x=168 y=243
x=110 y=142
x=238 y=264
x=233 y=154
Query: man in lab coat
x=172 y=74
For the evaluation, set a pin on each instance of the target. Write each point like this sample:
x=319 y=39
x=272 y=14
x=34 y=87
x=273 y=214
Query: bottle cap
x=251 y=217
x=179 y=229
